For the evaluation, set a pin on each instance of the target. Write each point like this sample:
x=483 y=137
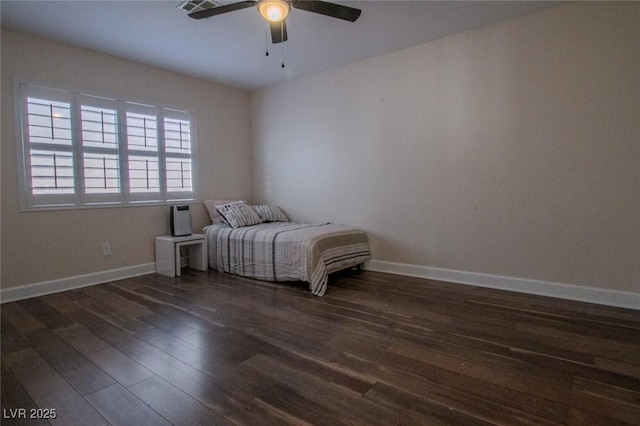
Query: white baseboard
x=54 y=286
x=622 y=299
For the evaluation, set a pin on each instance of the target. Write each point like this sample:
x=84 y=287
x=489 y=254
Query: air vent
x=190 y=6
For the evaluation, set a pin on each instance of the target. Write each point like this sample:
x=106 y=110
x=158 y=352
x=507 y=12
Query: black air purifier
x=180 y=221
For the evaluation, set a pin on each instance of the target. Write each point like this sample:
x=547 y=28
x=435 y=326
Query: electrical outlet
x=106 y=249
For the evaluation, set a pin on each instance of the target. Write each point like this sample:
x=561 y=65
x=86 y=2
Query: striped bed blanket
x=286 y=251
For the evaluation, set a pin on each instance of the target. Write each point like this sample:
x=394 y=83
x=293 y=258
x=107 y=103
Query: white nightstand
x=168 y=253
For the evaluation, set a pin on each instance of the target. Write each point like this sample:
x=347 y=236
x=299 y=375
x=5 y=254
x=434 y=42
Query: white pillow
x=270 y=213
x=239 y=214
x=213 y=212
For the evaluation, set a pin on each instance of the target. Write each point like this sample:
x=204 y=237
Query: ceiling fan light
x=274 y=10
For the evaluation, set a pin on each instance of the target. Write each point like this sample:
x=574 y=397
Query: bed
x=286 y=251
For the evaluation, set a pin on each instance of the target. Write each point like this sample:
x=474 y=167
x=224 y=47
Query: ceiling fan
x=275 y=12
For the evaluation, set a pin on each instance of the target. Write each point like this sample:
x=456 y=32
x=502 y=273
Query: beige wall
x=511 y=150
x=42 y=246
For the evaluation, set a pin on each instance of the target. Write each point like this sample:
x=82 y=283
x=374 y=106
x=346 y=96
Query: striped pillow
x=239 y=214
x=270 y=213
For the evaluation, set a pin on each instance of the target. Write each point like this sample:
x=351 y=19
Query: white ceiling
x=230 y=48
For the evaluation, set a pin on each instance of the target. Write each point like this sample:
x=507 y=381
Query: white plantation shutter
x=47 y=149
x=100 y=150
x=177 y=144
x=82 y=150
x=143 y=152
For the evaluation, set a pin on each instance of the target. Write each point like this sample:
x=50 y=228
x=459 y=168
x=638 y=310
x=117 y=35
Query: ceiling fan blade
x=207 y=13
x=278 y=31
x=330 y=9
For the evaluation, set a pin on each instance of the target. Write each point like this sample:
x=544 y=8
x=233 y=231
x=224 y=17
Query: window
x=83 y=150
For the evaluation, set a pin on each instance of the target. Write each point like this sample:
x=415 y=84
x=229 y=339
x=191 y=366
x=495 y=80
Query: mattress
x=286 y=251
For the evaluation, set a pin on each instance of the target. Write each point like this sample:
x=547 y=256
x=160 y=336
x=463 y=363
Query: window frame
x=81 y=199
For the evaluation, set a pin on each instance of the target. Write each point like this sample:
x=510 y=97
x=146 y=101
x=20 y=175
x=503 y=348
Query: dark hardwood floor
x=377 y=349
